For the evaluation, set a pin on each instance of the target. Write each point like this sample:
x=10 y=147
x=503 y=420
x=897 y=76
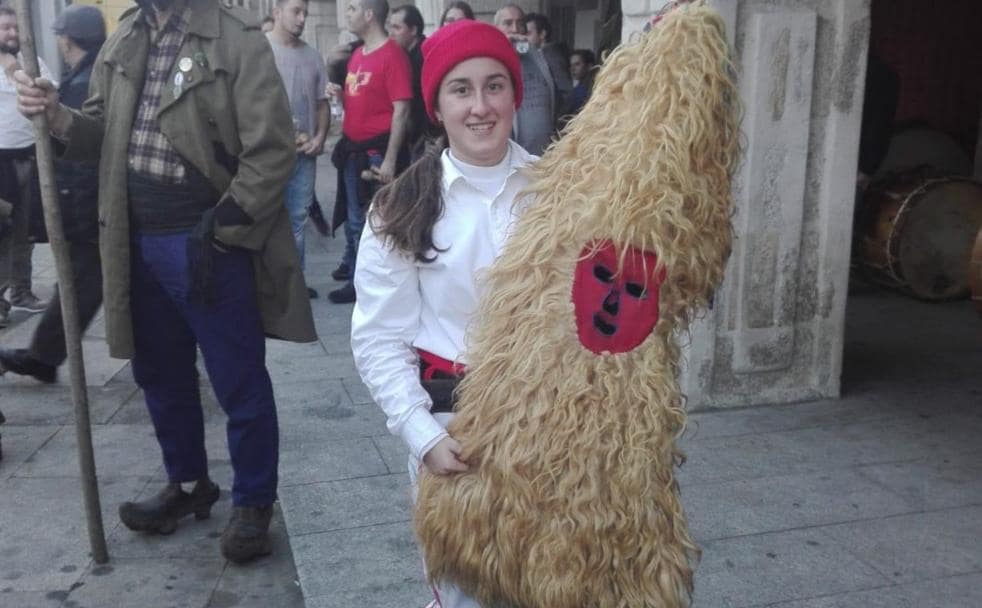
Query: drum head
x=938 y=236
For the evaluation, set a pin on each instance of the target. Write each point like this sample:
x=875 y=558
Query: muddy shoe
x=247 y=534
x=19 y=361
x=341 y=273
x=345 y=295
x=160 y=514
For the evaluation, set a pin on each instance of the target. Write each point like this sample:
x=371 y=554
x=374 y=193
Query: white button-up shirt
x=16 y=131
x=405 y=304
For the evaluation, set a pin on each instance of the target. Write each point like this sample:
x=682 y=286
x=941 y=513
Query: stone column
x=775 y=333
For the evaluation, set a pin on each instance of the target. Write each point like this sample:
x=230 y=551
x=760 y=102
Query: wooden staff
x=69 y=299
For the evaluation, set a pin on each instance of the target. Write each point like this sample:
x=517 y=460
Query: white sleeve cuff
x=421 y=431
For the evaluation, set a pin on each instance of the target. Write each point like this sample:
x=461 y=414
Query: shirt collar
x=180 y=19
x=517 y=159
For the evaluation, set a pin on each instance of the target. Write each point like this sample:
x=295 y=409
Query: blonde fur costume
x=570 y=500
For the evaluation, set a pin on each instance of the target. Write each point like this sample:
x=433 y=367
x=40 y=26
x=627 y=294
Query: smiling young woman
x=433 y=232
x=476 y=106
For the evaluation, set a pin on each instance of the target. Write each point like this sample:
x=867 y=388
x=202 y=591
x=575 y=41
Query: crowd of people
x=375 y=118
x=189 y=224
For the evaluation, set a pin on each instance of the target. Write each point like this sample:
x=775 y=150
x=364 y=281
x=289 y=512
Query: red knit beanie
x=459 y=41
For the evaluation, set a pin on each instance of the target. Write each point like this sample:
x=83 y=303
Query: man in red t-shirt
x=377 y=93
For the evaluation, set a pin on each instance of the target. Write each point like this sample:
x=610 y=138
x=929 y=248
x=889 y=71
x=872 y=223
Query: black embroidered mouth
x=602 y=326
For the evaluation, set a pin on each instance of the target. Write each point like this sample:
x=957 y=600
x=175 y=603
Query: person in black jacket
x=81 y=32
x=406 y=28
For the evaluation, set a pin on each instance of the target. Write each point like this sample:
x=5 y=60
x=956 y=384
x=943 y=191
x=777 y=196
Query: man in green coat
x=191 y=124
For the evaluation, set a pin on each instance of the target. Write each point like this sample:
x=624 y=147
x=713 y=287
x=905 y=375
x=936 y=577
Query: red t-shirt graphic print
x=373 y=83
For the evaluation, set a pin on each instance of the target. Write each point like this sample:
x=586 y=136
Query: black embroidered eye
x=636 y=289
x=603 y=274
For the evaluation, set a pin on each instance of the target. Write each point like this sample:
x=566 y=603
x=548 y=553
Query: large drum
x=917 y=234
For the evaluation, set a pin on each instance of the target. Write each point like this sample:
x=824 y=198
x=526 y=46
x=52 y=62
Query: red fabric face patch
x=615 y=312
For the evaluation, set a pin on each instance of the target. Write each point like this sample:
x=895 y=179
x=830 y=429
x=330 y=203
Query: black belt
x=441 y=391
x=17 y=153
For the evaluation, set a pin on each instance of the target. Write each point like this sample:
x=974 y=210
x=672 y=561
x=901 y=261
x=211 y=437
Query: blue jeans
x=355 y=208
x=168 y=329
x=299 y=195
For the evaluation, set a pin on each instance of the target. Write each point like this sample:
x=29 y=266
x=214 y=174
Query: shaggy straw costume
x=571 y=501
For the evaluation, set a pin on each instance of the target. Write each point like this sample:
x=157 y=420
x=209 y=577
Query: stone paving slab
x=357 y=392
x=778 y=566
x=346 y=504
x=399 y=594
x=306 y=368
x=54 y=405
x=754 y=506
x=814 y=449
x=311 y=423
x=937 y=482
x=963 y=591
x=139 y=583
x=322 y=412
x=708 y=424
x=43 y=531
x=394 y=452
x=358 y=564
x=125 y=450
x=19 y=443
x=320 y=461
x=917 y=546
x=30 y=599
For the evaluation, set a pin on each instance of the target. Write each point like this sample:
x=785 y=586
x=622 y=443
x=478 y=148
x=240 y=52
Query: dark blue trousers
x=167 y=332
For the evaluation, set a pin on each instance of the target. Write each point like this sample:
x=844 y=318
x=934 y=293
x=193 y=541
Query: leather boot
x=247 y=534
x=20 y=361
x=160 y=514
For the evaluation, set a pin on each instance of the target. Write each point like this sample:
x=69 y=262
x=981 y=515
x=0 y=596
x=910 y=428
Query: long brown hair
x=405 y=210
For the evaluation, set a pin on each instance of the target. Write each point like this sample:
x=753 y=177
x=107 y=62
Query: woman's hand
x=444 y=458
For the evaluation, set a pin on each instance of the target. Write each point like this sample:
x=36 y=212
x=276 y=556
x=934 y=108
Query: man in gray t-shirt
x=536 y=119
x=305 y=79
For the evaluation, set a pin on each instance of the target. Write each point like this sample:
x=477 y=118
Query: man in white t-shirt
x=16 y=174
x=305 y=78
